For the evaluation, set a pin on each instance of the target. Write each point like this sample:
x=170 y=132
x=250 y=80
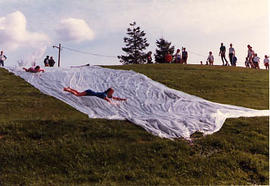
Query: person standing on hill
x=266 y=62
x=2 y=58
x=168 y=57
x=231 y=54
x=46 y=61
x=51 y=61
x=149 y=57
x=256 y=61
x=184 y=56
x=222 y=53
x=250 y=56
x=177 y=56
x=210 y=58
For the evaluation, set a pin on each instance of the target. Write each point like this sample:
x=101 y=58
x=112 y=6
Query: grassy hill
x=44 y=141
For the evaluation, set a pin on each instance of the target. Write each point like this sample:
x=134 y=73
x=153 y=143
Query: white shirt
x=231 y=50
x=178 y=56
x=256 y=59
x=266 y=60
x=210 y=58
x=3 y=57
x=250 y=53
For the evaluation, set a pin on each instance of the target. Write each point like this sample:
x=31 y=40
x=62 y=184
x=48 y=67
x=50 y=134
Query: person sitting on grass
x=33 y=69
x=107 y=95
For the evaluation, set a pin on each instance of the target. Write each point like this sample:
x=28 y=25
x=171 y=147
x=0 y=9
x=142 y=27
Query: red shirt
x=168 y=58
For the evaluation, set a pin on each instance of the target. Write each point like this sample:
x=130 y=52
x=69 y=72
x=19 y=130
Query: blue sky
x=29 y=28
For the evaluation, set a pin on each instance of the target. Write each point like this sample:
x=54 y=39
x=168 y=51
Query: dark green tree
x=163 y=47
x=135 y=43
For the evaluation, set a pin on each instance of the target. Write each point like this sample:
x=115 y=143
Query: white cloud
x=72 y=29
x=14 y=34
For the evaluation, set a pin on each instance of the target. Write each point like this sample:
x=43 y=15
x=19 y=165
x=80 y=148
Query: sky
x=29 y=28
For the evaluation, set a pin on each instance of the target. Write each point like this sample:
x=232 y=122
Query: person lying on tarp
x=107 y=95
x=33 y=69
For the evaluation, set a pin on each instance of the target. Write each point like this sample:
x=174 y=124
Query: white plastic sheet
x=158 y=109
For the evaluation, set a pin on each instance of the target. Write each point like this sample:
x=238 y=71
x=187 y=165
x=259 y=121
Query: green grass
x=229 y=85
x=46 y=142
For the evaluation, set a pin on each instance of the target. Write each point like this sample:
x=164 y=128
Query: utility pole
x=59 y=50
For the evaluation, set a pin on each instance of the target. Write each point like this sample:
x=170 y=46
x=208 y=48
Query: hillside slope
x=44 y=141
x=162 y=111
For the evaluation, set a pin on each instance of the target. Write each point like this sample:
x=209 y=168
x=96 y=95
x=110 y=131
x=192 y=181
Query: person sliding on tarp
x=33 y=70
x=103 y=95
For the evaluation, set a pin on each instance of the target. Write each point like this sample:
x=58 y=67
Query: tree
x=136 y=43
x=163 y=47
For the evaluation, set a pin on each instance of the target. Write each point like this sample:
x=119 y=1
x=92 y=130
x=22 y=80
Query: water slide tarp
x=160 y=110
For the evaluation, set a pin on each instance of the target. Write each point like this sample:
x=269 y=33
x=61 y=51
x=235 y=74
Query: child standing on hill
x=266 y=62
x=247 y=62
x=256 y=61
x=210 y=58
x=184 y=55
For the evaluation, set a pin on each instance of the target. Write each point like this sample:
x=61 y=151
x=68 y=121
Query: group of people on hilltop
x=178 y=57
x=232 y=57
x=222 y=54
x=252 y=59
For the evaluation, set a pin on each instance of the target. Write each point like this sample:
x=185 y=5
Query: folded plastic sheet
x=160 y=110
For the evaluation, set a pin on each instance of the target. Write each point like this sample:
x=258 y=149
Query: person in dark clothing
x=149 y=57
x=46 y=61
x=222 y=53
x=51 y=62
x=184 y=56
x=234 y=60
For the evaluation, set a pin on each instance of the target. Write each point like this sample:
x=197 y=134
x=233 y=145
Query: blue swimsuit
x=101 y=95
